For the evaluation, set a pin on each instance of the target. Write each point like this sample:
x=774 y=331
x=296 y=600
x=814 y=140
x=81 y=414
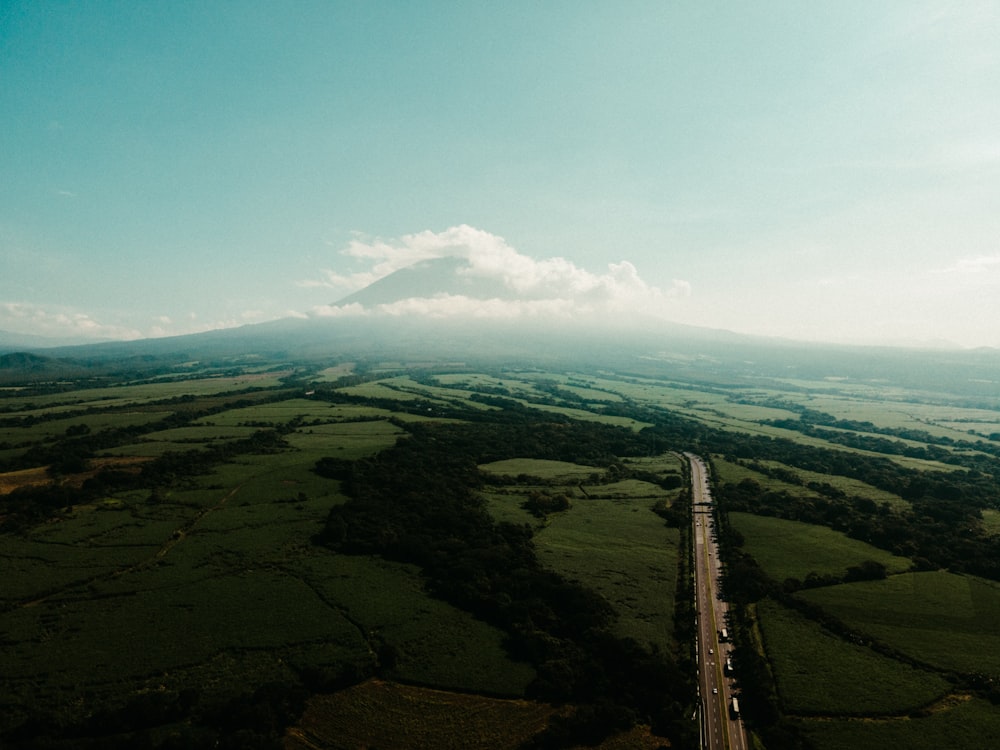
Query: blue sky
x=824 y=171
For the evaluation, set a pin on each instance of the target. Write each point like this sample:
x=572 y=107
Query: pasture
x=609 y=539
x=623 y=551
x=99 y=598
x=945 y=620
x=733 y=472
x=963 y=722
x=46 y=430
x=819 y=673
x=546 y=470
x=213 y=580
x=792 y=549
x=137 y=393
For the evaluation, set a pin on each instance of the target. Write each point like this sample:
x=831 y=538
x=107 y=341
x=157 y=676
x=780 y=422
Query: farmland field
x=791 y=549
x=540 y=468
x=622 y=550
x=966 y=723
x=819 y=673
x=941 y=619
x=608 y=538
x=172 y=538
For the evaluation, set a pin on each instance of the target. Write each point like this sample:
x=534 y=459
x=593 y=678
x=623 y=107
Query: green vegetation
x=945 y=620
x=819 y=673
x=970 y=724
x=192 y=555
x=540 y=468
x=802 y=551
x=623 y=551
x=601 y=533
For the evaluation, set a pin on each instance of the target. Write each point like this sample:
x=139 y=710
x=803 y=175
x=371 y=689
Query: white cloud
x=69 y=325
x=458 y=306
x=27 y=318
x=536 y=288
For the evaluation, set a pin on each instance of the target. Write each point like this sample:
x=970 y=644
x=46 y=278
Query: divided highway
x=721 y=725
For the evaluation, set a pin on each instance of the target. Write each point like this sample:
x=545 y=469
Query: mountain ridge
x=643 y=344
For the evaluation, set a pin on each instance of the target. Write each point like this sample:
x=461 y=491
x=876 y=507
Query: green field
x=819 y=673
x=541 y=469
x=608 y=539
x=969 y=724
x=99 y=598
x=942 y=619
x=735 y=473
x=137 y=393
x=791 y=549
x=216 y=577
x=622 y=550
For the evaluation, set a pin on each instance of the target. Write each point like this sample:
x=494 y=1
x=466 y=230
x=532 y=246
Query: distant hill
x=650 y=346
x=428 y=278
x=24 y=361
x=31 y=366
x=10 y=342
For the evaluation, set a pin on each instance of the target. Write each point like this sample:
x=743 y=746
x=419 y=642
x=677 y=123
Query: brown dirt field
x=379 y=714
x=386 y=714
x=121 y=463
x=38 y=476
x=13 y=480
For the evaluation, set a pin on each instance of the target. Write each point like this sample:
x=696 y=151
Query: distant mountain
x=23 y=361
x=10 y=342
x=428 y=278
x=647 y=347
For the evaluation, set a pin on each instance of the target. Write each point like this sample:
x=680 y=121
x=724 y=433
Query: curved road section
x=721 y=725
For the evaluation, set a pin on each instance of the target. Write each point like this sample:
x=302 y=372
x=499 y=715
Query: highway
x=721 y=729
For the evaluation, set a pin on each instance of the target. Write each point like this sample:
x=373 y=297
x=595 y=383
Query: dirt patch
x=387 y=714
x=13 y=480
x=377 y=713
x=39 y=476
x=128 y=464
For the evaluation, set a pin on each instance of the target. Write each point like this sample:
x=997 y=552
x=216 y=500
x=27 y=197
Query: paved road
x=721 y=729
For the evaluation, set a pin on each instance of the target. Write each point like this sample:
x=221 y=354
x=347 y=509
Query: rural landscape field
x=427 y=552
x=499 y=375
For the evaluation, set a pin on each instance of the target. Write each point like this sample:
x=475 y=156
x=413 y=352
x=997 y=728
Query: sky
x=825 y=171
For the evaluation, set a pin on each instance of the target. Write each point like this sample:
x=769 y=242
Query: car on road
x=715 y=691
x=711 y=651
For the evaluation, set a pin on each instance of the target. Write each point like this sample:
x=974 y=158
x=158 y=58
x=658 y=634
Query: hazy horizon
x=821 y=172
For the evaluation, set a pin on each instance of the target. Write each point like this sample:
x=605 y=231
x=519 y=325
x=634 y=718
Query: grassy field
x=847 y=485
x=228 y=563
x=213 y=580
x=735 y=473
x=377 y=713
x=94 y=422
x=942 y=619
x=991 y=521
x=820 y=674
x=138 y=393
x=791 y=549
x=622 y=550
x=385 y=714
x=966 y=723
x=347 y=440
x=541 y=469
x=609 y=539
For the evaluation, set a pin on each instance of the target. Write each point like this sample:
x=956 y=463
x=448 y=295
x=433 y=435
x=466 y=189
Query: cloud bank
x=523 y=286
x=55 y=323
